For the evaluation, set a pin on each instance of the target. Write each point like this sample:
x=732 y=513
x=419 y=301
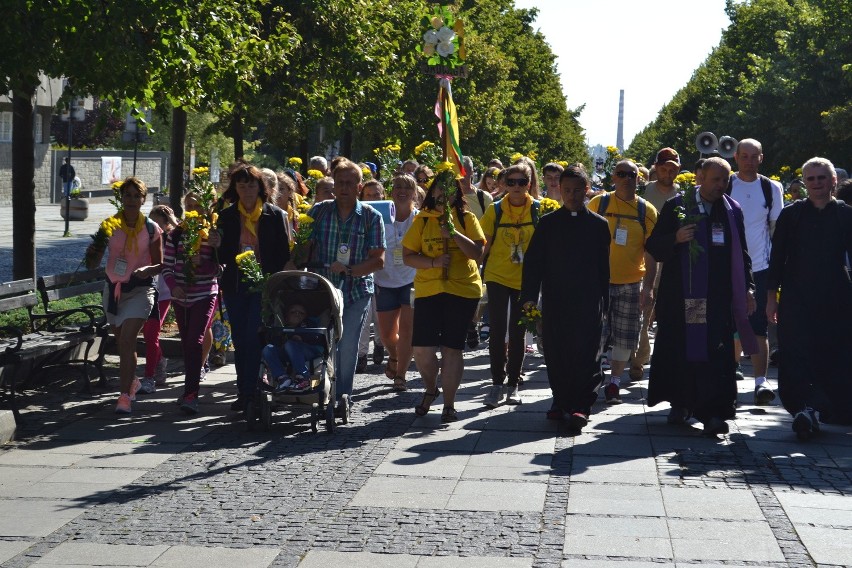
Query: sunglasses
x=820 y=177
x=511 y=182
x=422 y=180
x=631 y=175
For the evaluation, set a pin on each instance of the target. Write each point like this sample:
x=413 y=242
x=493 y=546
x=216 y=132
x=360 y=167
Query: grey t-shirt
x=655 y=197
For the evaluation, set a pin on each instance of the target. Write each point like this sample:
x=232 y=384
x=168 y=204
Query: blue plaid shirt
x=363 y=231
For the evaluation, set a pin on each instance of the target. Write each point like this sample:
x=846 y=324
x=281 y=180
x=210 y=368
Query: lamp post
x=67 y=194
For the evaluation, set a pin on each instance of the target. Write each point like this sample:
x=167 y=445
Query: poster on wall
x=110 y=169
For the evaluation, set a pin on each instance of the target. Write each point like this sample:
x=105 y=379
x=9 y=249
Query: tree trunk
x=176 y=165
x=23 y=182
x=346 y=143
x=303 y=153
x=237 y=134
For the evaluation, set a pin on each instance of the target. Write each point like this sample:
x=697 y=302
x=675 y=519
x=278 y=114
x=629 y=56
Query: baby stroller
x=324 y=302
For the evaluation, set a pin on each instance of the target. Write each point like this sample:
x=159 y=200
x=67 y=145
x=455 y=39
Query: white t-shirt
x=750 y=197
x=395 y=274
x=473 y=203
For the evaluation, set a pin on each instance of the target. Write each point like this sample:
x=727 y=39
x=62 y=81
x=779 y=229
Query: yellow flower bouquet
x=250 y=270
x=100 y=239
x=531 y=319
x=548 y=205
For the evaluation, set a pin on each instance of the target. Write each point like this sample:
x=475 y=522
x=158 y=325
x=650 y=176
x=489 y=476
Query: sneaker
x=378 y=354
x=484 y=332
x=496 y=396
x=555 y=413
x=611 y=394
x=361 y=365
x=189 y=405
x=529 y=349
x=284 y=382
x=636 y=373
x=577 y=421
x=472 y=340
x=514 y=395
x=605 y=363
x=134 y=388
x=147 y=385
x=805 y=424
x=739 y=372
x=204 y=370
x=301 y=384
x=678 y=415
x=160 y=372
x=763 y=394
x=715 y=427
x=123 y=405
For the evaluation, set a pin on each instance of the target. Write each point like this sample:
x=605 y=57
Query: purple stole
x=695 y=278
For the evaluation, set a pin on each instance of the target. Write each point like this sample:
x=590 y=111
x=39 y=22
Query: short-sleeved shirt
x=361 y=232
x=473 y=202
x=505 y=263
x=626 y=261
x=396 y=274
x=134 y=256
x=655 y=198
x=424 y=237
x=749 y=195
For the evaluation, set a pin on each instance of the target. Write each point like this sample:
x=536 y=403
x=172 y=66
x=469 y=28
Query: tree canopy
x=782 y=74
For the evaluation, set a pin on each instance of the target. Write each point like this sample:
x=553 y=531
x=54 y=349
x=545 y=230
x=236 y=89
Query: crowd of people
x=707 y=269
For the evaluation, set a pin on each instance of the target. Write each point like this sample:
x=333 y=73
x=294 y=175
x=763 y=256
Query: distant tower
x=619 y=137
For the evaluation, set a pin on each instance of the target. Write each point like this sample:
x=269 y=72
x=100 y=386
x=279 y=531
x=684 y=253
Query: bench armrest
x=12 y=332
x=53 y=321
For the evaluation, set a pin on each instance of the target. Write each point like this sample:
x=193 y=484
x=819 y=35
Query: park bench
x=51 y=337
x=68 y=285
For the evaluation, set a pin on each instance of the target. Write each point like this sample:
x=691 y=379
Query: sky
x=626 y=44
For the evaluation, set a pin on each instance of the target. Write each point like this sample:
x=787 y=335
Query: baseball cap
x=667 y=155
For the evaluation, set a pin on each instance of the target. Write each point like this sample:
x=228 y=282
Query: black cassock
x=808 y=262
x=568 y=260
x=708 y=389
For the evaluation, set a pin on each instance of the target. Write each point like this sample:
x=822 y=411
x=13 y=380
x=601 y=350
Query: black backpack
x=765 y=186
x=603 y=205
x=535 y=213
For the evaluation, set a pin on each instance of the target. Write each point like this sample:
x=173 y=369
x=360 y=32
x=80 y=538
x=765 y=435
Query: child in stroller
x=295 y=350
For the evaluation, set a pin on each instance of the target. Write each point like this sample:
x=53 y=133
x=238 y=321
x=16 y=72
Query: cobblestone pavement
x=499 y=488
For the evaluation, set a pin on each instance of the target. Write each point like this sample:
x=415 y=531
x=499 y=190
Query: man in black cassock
x=568 y=261
x=811 y=247
x=701 y=302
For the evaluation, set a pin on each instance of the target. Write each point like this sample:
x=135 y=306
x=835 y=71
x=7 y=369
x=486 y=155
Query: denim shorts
x=390 y=299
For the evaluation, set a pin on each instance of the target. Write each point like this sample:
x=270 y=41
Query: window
x=5 y=126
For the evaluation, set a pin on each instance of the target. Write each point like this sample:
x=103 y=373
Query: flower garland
x=443 y=40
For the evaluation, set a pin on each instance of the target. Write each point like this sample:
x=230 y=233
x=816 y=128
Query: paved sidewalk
x=500 y=488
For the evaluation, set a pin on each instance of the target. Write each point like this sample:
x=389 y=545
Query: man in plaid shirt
x=350 y=244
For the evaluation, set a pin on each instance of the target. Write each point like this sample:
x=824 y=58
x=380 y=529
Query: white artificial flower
x=431 y=37
x=446 y=35
x=445 y=49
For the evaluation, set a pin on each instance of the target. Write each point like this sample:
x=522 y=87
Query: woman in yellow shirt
x=508 y=238
x=447 y=288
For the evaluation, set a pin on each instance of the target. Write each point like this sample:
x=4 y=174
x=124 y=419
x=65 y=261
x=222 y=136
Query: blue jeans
x=347 y=347
x=244 y=334
x=298 y=353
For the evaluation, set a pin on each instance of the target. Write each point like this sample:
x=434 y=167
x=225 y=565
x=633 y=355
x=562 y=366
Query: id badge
x=397 y=257
x=517 y=256
x=120 y=267
x=621 y=236
x=343 y=254
x=718 y=233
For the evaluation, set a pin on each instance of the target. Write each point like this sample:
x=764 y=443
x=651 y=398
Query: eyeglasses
x=631 y=175
x=422 y=180
x=821 y=177
x=511 y=182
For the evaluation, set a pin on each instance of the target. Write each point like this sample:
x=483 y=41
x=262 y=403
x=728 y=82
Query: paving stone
x=11 y=548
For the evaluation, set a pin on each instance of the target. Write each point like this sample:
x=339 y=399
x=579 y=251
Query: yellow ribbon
x=131 y=244
x=250 y=219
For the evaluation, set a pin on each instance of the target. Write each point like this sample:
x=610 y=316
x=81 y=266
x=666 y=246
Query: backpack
x=603 y=205
x=765 y=186
x=535 y=213
x=480 y=195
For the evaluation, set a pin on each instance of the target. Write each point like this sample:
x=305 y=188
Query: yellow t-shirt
x=626 y=255
x=506 y=256
x=424 y=237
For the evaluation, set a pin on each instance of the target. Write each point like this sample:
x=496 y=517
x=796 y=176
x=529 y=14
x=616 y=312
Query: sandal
x=390 y=369
x=449 y=415
x=399 y=384
x=423 y=408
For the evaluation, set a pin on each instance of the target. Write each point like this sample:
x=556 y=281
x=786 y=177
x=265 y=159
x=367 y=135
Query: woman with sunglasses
x=509 y=225
x=447 y=288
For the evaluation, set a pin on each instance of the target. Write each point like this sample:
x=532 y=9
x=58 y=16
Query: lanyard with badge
x=397 y=247
x=344 y=248
x=717 y=230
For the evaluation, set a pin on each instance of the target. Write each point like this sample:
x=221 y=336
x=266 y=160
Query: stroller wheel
x=265 y=412
x=329 y=419
x=252 y=415
x=344 y=402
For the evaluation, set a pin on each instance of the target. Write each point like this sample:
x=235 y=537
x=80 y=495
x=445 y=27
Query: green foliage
x=781 y=74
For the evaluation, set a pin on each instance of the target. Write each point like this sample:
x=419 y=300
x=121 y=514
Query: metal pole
x=67 y=194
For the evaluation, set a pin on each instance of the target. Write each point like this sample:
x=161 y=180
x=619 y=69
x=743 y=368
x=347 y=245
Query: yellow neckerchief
x=250 y=219
x=511 y=208
x=131 y=244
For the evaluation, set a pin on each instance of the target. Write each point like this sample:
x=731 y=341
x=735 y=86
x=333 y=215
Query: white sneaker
x=496 y=396
x=147 y=385
x=160 y=372
x=514 y=395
